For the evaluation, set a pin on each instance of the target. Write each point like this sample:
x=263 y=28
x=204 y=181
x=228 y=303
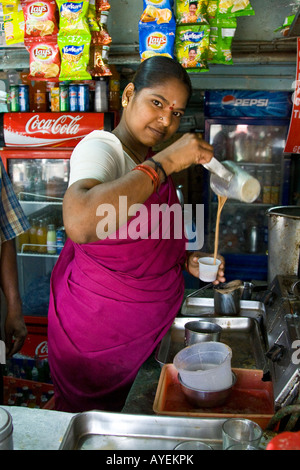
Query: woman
x=118 y=284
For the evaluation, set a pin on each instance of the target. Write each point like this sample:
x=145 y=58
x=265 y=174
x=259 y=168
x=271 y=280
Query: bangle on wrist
x=148 y=170
x=159 y=166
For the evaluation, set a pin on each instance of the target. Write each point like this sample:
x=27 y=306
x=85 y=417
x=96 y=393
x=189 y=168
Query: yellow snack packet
x=13 y=19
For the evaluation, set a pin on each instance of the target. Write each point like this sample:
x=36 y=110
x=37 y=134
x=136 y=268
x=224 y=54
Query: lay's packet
x=222 y=32
x=192 y=46
x=158 y=11
x=157 y=40
x=190 y=12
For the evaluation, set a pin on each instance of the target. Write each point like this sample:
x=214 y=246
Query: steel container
x=283 y=241
x=6 y=430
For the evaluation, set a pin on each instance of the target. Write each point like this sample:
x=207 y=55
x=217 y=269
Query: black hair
x=159 y=69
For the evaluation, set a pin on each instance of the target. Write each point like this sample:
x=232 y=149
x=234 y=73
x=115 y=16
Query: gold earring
x=124 y=103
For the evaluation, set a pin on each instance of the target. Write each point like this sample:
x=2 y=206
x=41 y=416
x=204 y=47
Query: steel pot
x=283 y=241
x=6 y=430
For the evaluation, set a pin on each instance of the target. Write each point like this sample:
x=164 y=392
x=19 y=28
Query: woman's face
x=153 y=114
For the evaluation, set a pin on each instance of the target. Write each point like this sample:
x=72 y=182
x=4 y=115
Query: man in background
x=12 y=223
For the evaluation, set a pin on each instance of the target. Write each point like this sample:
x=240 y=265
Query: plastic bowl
x=205 y=399
x=205 y=366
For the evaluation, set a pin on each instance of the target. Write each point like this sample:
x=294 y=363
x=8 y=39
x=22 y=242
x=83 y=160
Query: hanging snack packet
x=191 y=46
x=74 y=52
x=228 y=8
x=13 y=22
x=40 y=18
x=189 y=11
x=44 y=60
x=222 y=32
x=92 y=17
x=102 y=5
x=212 y=8
x=98 y=66
x=103 y=37
x=157 y=15
x=73 y=16
x=157 y=40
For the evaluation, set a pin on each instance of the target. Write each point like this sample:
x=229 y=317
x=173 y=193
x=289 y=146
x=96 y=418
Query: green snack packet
x=73 y=17
x=230 y=8
x=74 y=52
x=191 y=47
x=287 y=23
x=191 y=12
x=222 y=32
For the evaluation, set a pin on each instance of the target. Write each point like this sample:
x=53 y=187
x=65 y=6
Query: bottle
x=39 y=97
x=41 y=235
x=101 y=101
x=23 y=242
x=60 y=239
x=51 y=239
x=114 y=89
x=267 y=186
x=33 y=236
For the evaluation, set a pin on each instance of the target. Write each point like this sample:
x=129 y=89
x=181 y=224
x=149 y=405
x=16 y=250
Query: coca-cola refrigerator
x=249 y=128
x=35 y=151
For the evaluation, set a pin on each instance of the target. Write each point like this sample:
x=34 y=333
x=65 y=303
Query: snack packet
x=157 y=40
x=40 y=18
x=73 y=17
x=98 y=66
x=74 y=52
x=102 y=36
x=102 y=5
x=285 y=27
x=13 y=22
x=222 y=32
x=229 y=8
x=189 y=11
x=44 y=59
x=92 y=17
x=191 y=47
x=157 y=15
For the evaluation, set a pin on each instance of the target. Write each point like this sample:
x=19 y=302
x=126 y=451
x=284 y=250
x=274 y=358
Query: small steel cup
x=200 y=331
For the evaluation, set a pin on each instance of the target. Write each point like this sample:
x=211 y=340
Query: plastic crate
x=20 y=392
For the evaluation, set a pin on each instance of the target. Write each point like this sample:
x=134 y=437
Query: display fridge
x=249 y=128
x=36 y=150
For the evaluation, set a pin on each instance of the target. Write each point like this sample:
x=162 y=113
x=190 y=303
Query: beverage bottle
x=39 y=97
x=114 y=89
x=23 y=242
x=101 y=99
x=51 y=240
x=41 y=235
x=267 y=186
x=33 y=235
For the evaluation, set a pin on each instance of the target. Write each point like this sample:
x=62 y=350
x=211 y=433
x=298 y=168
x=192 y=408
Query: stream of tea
x=221 y=202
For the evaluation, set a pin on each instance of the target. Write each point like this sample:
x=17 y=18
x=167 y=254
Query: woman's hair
x=159 y=69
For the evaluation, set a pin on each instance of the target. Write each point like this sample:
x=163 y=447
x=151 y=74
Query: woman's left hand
x=192 y=265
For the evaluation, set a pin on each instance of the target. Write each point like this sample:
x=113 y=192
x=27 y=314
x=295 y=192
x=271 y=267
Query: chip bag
x=73 y=17
x=74 y=53
x=44 y=59
x=189 y=11
x=157 y=15
x=192 y=46
x=222 y=32
x=13 y=22
x=157 y=40
x=92 y=17
x=229 y=8
x=40 y=18
x=102 y=5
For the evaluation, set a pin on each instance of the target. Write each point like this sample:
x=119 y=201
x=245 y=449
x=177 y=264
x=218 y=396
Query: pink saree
x=111 y=303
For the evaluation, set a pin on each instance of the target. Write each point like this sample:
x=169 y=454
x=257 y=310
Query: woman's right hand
x=189 y=150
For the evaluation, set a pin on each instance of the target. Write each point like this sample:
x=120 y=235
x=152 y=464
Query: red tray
x=251 y=398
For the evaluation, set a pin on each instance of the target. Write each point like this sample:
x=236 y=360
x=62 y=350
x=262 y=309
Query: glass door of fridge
x=40 y=184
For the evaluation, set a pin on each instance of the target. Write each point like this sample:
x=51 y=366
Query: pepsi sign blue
x=245 y=103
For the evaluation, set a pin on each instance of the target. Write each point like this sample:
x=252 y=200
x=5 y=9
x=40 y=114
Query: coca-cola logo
x=38 y=9
x=41 y=350
x=65 y=124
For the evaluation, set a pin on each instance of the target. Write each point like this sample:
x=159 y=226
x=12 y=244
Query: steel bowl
x=207 y=399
